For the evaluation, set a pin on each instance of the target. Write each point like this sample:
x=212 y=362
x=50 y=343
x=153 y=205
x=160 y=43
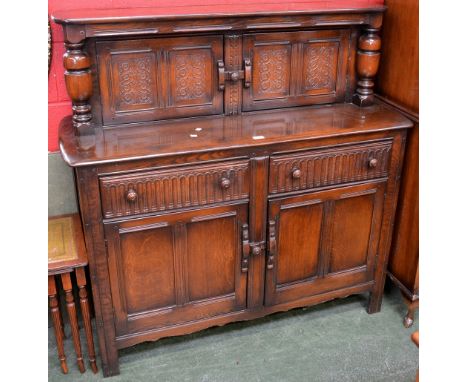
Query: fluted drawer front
x=173 y=188
x=323 y=167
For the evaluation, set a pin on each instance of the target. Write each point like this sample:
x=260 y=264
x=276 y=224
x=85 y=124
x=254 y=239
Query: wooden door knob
x=234 y=76
x=131 y=195
x=256 y=250
x=296 y=173
x=373 y=163
x=225 y=183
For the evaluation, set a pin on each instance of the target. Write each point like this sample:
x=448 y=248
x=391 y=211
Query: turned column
x=367 y=64
x=78 y=81
x=75 y=330
x=81 y=282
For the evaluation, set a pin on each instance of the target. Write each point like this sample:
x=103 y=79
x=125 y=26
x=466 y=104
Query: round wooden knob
x=256 y=250
x=234 y=76
x=131 y=195
x=225 y=183
x=373 y=163
x=296 y=173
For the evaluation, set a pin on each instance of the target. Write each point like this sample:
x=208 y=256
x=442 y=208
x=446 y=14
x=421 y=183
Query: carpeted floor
x=335 y=341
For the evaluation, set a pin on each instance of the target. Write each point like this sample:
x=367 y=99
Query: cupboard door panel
x=159 y=78
x=322 y=241
x=319 y=68
x=299 y=236
x=212 y=251
x=177 y=267
x=352 y=223
x=147 y=263
x=296 y=68
x=272 y=75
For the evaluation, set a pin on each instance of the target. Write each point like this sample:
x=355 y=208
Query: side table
x=67 y=255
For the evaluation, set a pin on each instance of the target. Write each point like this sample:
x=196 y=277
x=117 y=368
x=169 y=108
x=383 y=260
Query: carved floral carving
x=135 y=81
x=273 y=70
x=190 y=75
x=320 y=63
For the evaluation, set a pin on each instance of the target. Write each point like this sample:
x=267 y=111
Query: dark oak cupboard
x=228 y=166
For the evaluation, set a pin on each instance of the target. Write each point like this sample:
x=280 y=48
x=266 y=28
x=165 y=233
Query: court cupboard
x=230 y=161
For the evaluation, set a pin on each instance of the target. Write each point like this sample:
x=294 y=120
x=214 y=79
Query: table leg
x=58 y=329
x=68 y=288
x=81 y=281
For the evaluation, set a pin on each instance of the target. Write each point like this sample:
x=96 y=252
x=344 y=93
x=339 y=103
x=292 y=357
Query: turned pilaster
x=78 y=81
x=367 y=65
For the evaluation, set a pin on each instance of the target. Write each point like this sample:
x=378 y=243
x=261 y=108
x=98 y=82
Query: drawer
x=173 y=188
x=323 y=167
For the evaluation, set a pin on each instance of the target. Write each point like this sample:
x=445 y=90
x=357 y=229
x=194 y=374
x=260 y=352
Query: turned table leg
x=412 y=306
x=68 y=288
x=58 y=328
x=81 y=281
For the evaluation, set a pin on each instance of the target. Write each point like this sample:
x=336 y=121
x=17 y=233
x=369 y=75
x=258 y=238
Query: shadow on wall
x=62 y=192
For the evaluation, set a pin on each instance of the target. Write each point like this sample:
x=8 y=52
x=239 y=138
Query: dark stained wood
x=200 y=204
x=367 y=64
x=398 y=86
x=296 y=68
x=313 y=235
x=237 y=135
x=206 y=12
x=173 y=268
x=148 y=79
x=412 y=306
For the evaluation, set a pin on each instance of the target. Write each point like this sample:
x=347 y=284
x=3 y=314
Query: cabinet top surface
x=211 y=8
x=97 y=145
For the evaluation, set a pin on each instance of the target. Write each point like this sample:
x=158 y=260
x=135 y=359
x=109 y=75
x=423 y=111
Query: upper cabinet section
x=160 y=78
x=130 y=66
x=296 y=68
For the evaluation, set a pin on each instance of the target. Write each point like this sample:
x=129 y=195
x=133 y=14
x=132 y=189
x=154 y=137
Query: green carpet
x=335 y=341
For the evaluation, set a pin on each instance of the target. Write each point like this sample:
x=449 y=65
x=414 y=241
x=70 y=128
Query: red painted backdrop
x=59 y=103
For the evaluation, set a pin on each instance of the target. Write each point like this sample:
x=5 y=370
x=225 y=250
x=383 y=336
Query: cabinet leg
x=81 y=281
x=58 y=328
x=412 y=306
x=375 y=301
x=68 y=288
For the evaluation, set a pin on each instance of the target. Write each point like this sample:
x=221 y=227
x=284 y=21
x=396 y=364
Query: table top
x=66 y=244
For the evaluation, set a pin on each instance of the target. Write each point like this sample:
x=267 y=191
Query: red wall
x=59 y=103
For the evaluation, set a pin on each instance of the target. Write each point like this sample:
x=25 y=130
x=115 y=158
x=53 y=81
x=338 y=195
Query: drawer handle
x=225 y=183
x=131 y=195
x=373 y=163
x=296 y=173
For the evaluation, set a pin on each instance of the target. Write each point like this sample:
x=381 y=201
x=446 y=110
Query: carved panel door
x=322 y=241
x=178 y=267
x=296 y=68
x=159 y=78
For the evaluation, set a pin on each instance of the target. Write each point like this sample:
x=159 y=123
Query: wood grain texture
x=174 y=188
x=398 y=84
x=203 y=206
x=327 y=167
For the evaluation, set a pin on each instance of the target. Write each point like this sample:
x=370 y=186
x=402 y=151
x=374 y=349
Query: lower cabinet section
x=177 y=267
x=322 y=241
x=188 y=266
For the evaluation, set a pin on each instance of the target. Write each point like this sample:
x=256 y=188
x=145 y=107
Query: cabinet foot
x=412 y=306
